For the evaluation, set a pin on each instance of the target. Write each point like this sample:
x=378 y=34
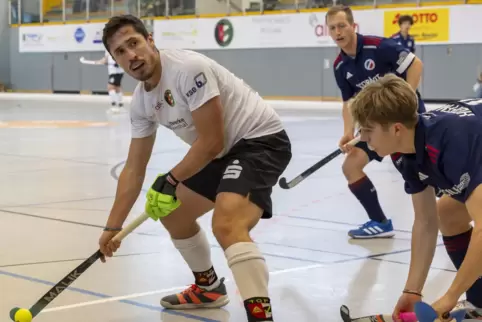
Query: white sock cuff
x=241 y=252
x=113 y=96
x=196 y=240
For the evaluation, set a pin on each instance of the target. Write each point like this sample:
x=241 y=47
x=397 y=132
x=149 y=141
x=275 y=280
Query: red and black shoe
x=196 y=297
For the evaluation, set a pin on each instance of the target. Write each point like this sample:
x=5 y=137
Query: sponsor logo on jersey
x=200 y=80
x=458 y=188
x=191 y=92
x=158 y=106
x=401 y=57
x=169 y=98
x=224 y=32
x=368 y=81
x=177 y=124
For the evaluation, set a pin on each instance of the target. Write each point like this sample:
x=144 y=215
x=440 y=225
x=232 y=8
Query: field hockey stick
x=405 y=317
x=88 y=62
x=55 y=291
x=295 y=181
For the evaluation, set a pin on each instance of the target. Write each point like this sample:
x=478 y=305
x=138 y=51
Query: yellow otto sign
x=428 y=24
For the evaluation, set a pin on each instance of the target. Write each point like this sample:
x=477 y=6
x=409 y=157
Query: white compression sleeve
x=197 y=254
x=249 y=269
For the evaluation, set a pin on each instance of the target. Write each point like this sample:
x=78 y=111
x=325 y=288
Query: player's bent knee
x=181 y=223
x=234 y=215
x=354 y=164
x=454 y=219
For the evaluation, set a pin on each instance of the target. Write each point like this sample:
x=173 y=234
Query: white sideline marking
x=172 y=289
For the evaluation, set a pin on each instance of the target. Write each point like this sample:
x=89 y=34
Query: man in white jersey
x=238 y=150
x=114 y=84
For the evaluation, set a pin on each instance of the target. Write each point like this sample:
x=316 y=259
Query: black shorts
x=252 y=166
x=115 y=79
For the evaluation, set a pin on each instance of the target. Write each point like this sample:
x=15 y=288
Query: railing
x=44 y=11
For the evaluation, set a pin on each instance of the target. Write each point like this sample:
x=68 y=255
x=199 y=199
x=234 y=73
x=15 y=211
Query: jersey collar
x=359 y=47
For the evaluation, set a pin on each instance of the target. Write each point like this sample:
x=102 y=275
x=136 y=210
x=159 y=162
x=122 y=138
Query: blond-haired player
x=439 y=149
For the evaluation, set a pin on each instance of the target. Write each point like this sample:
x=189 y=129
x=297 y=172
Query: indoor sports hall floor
x=58 y=180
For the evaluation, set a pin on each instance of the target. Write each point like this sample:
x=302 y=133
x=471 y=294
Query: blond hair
x=388 y=100
x=340 y=8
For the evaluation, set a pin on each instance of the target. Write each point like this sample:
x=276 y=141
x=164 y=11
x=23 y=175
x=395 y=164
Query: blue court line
x=63 y=220
x=404 y=263
x=159 y=309
x=189 y=316
x=104 y=296
x=333 y=222
x=305 y=248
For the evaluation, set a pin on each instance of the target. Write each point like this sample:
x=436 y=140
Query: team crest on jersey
x=169 y=98
x=369 y=64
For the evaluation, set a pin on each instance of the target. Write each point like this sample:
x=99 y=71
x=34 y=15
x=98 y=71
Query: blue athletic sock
x=457 y=247
x=366 y=193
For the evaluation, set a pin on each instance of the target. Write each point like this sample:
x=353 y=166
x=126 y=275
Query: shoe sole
x=381 y=235
x=220 y=302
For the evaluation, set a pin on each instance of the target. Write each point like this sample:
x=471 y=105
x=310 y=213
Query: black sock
x=457 y=247
x=206 y=278
x=366 y=193
x=258 y=309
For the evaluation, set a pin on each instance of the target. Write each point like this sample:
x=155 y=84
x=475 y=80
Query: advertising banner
x=61 y=38
x=263 y=31
x=429 y=25
x=432 y=25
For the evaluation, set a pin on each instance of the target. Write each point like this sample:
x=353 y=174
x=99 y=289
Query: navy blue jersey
x=375 y=57
x=408 y=43
x=448 y=151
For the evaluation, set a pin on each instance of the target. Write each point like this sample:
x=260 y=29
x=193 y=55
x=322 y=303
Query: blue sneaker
x=373 y=229
x=472 y=313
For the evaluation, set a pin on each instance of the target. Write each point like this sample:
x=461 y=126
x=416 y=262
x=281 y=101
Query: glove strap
x=172 y=180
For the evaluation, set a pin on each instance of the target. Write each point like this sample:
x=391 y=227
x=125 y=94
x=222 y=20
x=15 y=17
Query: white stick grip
x=354 y=141
x=131 y=227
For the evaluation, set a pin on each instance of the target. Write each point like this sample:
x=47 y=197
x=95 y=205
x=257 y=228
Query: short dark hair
x=117 y=22
x=340 y=8
x=405 y=18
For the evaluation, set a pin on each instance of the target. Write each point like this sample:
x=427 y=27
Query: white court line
x=172 y=289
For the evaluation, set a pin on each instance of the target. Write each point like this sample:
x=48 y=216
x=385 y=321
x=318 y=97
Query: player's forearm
x=424 y=242
x=128 y=188
x=203 y=151
x=471 y=268
x=414 y=73
x=348 y=126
